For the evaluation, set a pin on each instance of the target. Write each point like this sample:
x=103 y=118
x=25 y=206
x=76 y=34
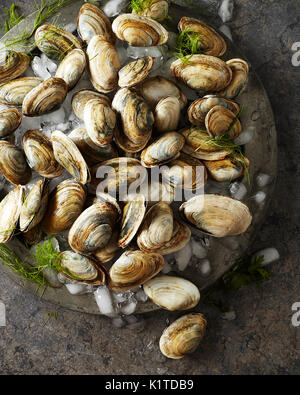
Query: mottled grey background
x=261 y=340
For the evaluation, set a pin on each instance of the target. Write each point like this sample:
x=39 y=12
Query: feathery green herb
x=188 y=44
x=11 y=18
x=140 y=5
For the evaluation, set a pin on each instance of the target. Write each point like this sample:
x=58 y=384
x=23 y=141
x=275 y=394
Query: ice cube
x=246 y=136
x=270 y=255
x=198 y=250
x=122 y=52
x=114 y=7
x=259 y=197
x=70 y=27
x=183 y=257
x=118 y=322
x=205 y=267
x=238 y=190
x=140 y=296
x=39 y=69
x=226 y=30
x=79 y=289
x=49 y=64
x=226 y=10
x=104 y=301
x=262 y=180
x=55 y=117
x=130 y=307
x=166 y=268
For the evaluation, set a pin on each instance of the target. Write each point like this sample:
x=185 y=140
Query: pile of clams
x=132 y=123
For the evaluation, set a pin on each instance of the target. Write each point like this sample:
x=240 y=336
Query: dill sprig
x=188 y=43
x=11 y=18
x=140 y=5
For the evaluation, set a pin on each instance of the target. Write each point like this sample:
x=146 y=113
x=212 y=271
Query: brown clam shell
x=13 y=164
x=10 y=120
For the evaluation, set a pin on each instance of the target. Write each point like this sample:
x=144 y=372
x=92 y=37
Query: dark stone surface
x=261 y=340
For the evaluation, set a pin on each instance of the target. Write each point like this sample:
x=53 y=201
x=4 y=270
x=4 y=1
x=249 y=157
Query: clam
x=137 y=120
x=91 y=152
x=39 y=153
x=104 y=64
x=228 y=169
x=135 y=72
x=55 y=42
x=133 y=214
x=100 y=121
x=80 y=268
x=33 y=236
x=12 y=65
x=180 y=237
x=139 y=31
x=157 y=228
x=163 y=150
x=108 y=252
x=65 y=204
x=44 y=98
x=72 y=67
x=92 y=21
x=183 y=336
x=10 y=120
x=155 y=9
x=198 y=144
x=199 y=108
x=12 y=93
x=217 y=215
x=80 y=98
x=185 y=172
x=167 y=114
x=240 y=70
x=220 y=121
x=156 y=88
x=13 y=164
x=211 y=42
x=202 y=72
x=68 y=156
x=172 y=293
x=34 y=206
x=132 y=269
x=93 y=228
x=10 y=208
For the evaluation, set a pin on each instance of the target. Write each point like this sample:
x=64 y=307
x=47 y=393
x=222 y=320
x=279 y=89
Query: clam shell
x=65 y=204
x=104 y=64
x=10 y=120
x=68 y=156
x=180 y=237
x=163 y=150
x=157 y=191
x=167 y=114
x=12 y=93
x=183 y=336
x=33 y=236
x=44 y=98
x=211 y=42
x=108 y=252
x=155 y=9
x=93 y=228
x=39 y=153
x=55 y=42
x=240 y=70
x=135 y=72
x=80 y=98
x=133 y=214
x=13 y=164
x=10 y=208
x=72 y=67
x=34 y=206
x=203 y=73
x=219 y=121
x=132 y=269
x=172 y=293
x=228 y=169
x=217 y=215
x=139 y=31
x=12 y=65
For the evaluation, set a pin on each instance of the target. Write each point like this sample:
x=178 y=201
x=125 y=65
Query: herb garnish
x=188 y=44
x=11 y=18
x=140 y=5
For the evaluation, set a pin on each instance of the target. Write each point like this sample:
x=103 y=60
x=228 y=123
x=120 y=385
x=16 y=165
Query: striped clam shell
x=240 y=70
x=227 y=169
x=180 y=237
x=156 y=9
x=10 y=120
x=12 y=65
x=12 y=93
x=108 y=252
x=135 y=72
x=72 y=67
x=219 y=120
x=13 y=164
x=80 y=98
x=167 y=114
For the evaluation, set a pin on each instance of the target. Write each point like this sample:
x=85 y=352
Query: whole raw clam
x=227 y=169
x=167 y=114
x=13 y=164
x=135 y=72
x=220 y=121
x=10 y=120
x=33 y=236
x=240 y=70
x=12 y=93
x=155 y=9
x=12 y=65
x=108 y=252
x=72 y=67
x=180 y=237
x=80 y=98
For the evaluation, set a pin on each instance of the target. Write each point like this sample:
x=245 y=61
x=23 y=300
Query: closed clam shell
x=217 y=215
x=180 y=237
x=80 y=268
x=133 y=214
x=135 y=72
x=39 y=153
x=68 y=156
x=10 y=208
x=10 y=120
x=156 y=88
x=92 y=21
x=183 y=336
x=167 y=114
x=198 y=145
x=13 y=164
x=12 y=65
x=134 y=268
x=12 y=93
x=33 y=236
x=200 y=107
x=227 y=169
x=55 y=42
x=100 y=121
x=34 y=206
x=93 y=228
x=155 y=9
x=211 y=42
x=202 y=72
x=72 y=67
x=240 y=70
x=80 y=98
x=108 y=252
x=104 y=64
x=172 y=293
x=65 y=204
x=44 y=98
x=164 y=149
x=219 y=120
x=157 y=228
x=139 y=31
